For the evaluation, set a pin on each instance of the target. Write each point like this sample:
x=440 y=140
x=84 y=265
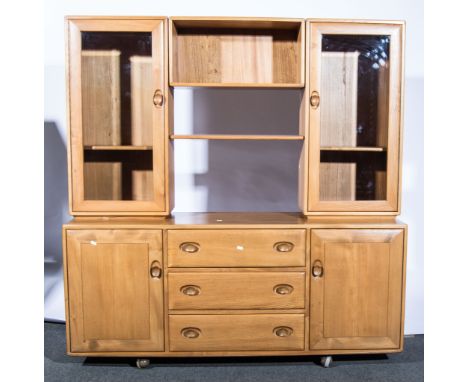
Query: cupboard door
x=355 y=78
x=356 y=289
x=115 y=290
x=117 y=88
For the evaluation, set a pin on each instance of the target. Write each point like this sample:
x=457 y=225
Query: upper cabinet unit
x=236 y=52
x=355 y=72
x=117 y=91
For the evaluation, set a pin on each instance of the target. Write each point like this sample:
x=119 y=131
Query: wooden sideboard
x=141 y=282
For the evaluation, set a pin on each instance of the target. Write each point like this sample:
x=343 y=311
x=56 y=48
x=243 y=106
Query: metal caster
x=141 y=363
x=326 y=361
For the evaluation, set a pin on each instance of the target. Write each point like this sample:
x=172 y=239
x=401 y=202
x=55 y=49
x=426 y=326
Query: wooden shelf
x=118 y=148
x=357 y=149
x=237 y=85
x=241 y=137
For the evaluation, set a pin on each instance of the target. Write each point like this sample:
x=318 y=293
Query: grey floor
x=402 y=367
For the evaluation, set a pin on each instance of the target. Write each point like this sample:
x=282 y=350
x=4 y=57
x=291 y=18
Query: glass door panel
x=353 y=119
x=116 y=83
x=355 y=78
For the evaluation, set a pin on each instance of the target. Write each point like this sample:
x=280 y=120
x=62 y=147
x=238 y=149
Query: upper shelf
x=216 y=52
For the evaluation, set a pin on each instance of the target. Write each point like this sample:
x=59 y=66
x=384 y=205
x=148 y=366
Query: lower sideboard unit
x=234 y=284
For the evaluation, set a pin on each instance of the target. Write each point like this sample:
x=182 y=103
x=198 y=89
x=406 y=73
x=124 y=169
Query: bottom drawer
x=222 y=332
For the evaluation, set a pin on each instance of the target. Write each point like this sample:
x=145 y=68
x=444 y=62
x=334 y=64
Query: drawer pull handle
x=190 y=290
x=158 y=98
x=283 y=289
x=190 y=247
x=190 y=333
x=156 y=270
x=283 y=331
x=284 y=246
x=317 y=269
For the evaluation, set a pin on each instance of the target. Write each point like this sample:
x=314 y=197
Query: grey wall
x=229 y=176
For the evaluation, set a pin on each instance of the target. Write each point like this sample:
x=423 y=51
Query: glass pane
x=354 y=117
x=116 y=80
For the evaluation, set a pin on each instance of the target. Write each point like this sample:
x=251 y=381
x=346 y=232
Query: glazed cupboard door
x=114 y=290
x=356 y=289
x=117 y=87
x=355 y=78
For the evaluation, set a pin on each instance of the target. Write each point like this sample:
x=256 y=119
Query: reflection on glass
x=116 y=86
x=354 y=117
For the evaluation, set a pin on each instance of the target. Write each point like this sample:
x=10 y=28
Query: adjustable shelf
x=241 y=137
x=353 y=149
x=118 y=148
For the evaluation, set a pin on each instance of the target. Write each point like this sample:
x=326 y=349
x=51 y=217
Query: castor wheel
x=141 y=363
x=326 y=361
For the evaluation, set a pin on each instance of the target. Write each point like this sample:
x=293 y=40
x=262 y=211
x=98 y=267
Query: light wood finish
x=118 y=148
x=354 y=149
x=236 y=332
x=102 y=181
x=338 y=99
x=337 y=181
x=357 y=302
x=241 y=137
x=256 y=85
x=391 y=204
x=157 y=205
x=236 y=248
x=142 y=100
x=114 y=302
x=234 y=220
x=100 y=76
x=236 y=290
x=235 y=52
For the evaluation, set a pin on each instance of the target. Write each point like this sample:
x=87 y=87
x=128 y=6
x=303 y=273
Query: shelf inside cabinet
x=237 y=85
x=118 y=148
x=211 y=52
x=241 y=137
x=351 y=149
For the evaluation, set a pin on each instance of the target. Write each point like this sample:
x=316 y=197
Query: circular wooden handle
x=156 y=270
x=284 y=246
x=190 y=247
x=317 y=269
x=190 y=290
x=190 y=333
x=283 y=289
x=283 y=331
x=315 y=99
x=158 y=98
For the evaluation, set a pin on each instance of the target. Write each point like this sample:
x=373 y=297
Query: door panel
x=117 y=83
x=356 y=301
x=114 y=303
x=356 y=89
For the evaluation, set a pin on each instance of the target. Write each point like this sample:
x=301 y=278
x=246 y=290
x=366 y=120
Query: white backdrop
x=212 y=176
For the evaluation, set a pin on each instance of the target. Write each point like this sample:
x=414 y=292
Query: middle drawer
x=236 y=290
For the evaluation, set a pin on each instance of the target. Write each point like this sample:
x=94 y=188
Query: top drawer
x=236 y=248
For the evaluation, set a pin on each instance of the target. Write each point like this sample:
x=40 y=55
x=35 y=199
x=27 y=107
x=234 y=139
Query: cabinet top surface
x=237 y=220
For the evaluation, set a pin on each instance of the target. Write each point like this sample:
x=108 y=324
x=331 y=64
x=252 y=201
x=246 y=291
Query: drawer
x=236 y=290
x=236 y=332
x=236 y=248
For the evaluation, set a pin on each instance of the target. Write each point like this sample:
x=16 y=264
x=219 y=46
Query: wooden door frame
x=77 y=204
x=74 y=300
x=396 y=31
x=397 y=257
